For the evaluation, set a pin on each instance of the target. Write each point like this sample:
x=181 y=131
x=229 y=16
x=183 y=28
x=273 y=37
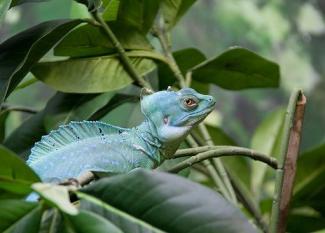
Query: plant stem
x=8 y=108
x=250 y=205
x=123 y=57
x=214 y=175
x=221 y=152
x=218 y=164
x=162 y=36
x=166 y=47
x=287 y=161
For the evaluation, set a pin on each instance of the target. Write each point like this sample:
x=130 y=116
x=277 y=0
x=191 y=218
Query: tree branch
x=123 y=57
x=287 y=162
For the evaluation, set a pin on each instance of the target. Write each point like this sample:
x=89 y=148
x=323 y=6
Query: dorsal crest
x=67 y=134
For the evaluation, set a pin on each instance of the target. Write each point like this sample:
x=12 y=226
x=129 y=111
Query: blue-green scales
x=95 y=146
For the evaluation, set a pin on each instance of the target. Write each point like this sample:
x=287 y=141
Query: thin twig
x=231 y=151
x=213 y=174
x=125 y=60
x=218 y=164
x=162 y=36
x=9 y=108
x=287 y=162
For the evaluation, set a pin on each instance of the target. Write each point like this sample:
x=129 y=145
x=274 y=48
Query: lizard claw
x=72 y=182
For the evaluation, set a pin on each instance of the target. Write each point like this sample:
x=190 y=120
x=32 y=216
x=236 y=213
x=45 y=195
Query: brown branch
x=287 y=170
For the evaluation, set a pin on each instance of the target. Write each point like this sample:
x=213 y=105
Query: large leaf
x=52 y=221
x=88 y=40
x=185 y=59
x=139 y=14
x=19 y=216
x=20 y=52
x=126 y=222
x=173 y=10
x=92 y=5
x=88 y=222
x=90 y=75
x=115 y=102
x=309 y=185
x=15 y=176
x=266 y=139
x=18 y=2
x=237 y=69
x=63 y=108
x=56 y=195
x=300 y=223
x=3 y=117
x=29 y=132
x=127 y=115
x=4 y=6
x=170 y=203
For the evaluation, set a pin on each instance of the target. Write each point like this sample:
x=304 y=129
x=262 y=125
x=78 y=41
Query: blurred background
x=291 y=33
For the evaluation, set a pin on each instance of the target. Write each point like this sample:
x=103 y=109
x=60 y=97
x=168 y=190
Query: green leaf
x=90 y=75
x=110 y=9
x=20 y=52
x=63 y=108
x=139 y=14
x=15 y=176
x=127 y=115
x=18 y=2
x=56 y=195
x=52 y=221
x=4 y=6
x=88 y=222
x=60 y=109
x=185 y=59
x=309 y=184
x=3 y=117
x=92 y=5
x=126 y=222
x=173 y=10
x=170 y=203
x=299 y=223
x=266 y=139
x=237 y=69
x=24 y=137
x=88 y=40
x=19 y=216
x=115 y=102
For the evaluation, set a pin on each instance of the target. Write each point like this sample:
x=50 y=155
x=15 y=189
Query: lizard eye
x=190 y=103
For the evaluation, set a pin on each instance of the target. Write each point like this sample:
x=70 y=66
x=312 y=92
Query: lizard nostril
x=211 y=100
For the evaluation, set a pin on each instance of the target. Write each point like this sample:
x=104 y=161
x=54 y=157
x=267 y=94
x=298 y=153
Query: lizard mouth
x=195 y=117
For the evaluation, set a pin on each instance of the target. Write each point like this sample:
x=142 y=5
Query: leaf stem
x=125 y=60
x=287 y=161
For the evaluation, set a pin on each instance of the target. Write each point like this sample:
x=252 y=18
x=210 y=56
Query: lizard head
x=173 y=113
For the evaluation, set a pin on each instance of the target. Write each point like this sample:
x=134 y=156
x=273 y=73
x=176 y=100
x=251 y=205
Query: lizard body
x=95 y=146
